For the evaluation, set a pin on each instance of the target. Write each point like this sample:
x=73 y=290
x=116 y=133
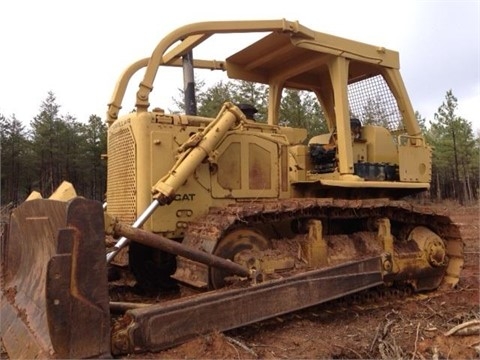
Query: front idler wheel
x=233 y=243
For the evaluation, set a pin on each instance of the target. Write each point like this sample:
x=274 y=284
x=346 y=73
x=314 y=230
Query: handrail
x=192 y=35
x=115 y=103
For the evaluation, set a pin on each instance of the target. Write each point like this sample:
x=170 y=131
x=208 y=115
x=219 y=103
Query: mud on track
x=411 y=327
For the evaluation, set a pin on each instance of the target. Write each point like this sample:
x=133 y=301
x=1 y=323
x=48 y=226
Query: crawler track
x=358 y=280
x=208 y=230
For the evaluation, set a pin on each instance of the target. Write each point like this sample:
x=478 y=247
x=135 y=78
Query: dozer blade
x=159 y=326
x=54 y=281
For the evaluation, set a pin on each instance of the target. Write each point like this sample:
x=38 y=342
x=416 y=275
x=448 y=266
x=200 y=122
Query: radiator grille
x=121 y=184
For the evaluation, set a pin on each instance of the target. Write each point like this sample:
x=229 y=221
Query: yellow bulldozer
x=238 y=220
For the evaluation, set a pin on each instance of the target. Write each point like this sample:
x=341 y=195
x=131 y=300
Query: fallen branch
x=375 y=338
x=234 y=348
x=416 y=342
x=471 y=327
x=386 y=328
x=242 y=345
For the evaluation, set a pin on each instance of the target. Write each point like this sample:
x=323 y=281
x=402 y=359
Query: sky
x=78 y=49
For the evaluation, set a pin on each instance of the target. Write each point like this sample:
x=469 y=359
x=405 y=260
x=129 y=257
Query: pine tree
x=301 y=109
x=56 y=143
x=245 y=92
x=376 y=113
x=45 y=145
x=93 y=166
x=455 y=151
x=210 y=101
x=14 y=160
x=180 y=101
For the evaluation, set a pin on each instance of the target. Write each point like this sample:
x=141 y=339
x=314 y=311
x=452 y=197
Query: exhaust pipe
x=189 y=84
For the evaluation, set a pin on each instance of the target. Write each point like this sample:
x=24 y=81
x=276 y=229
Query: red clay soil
x=412 y=327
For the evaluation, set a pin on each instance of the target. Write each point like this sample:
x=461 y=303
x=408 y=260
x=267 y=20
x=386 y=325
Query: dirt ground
x=414 y=327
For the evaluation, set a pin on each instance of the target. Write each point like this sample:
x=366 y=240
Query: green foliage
x=301 y=109
x=180 y=101
x=55 y=142
x=57 y=148
x=421 y=122
x=210 y=100
x=375 y=113
x=244 y=92
x=456 y=155
x=15 y=159
x=298 y=109
x=94 y=167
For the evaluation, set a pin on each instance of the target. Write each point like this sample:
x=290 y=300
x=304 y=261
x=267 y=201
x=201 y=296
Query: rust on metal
x=55 y=294
x=161 y=326
x=208 y=231
x=173 y=247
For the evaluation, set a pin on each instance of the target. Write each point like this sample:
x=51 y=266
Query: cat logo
x=184 y=197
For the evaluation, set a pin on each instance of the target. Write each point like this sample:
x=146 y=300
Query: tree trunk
x=439 y=191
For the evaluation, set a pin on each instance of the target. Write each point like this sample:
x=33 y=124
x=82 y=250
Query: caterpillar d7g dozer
x=234 y=219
